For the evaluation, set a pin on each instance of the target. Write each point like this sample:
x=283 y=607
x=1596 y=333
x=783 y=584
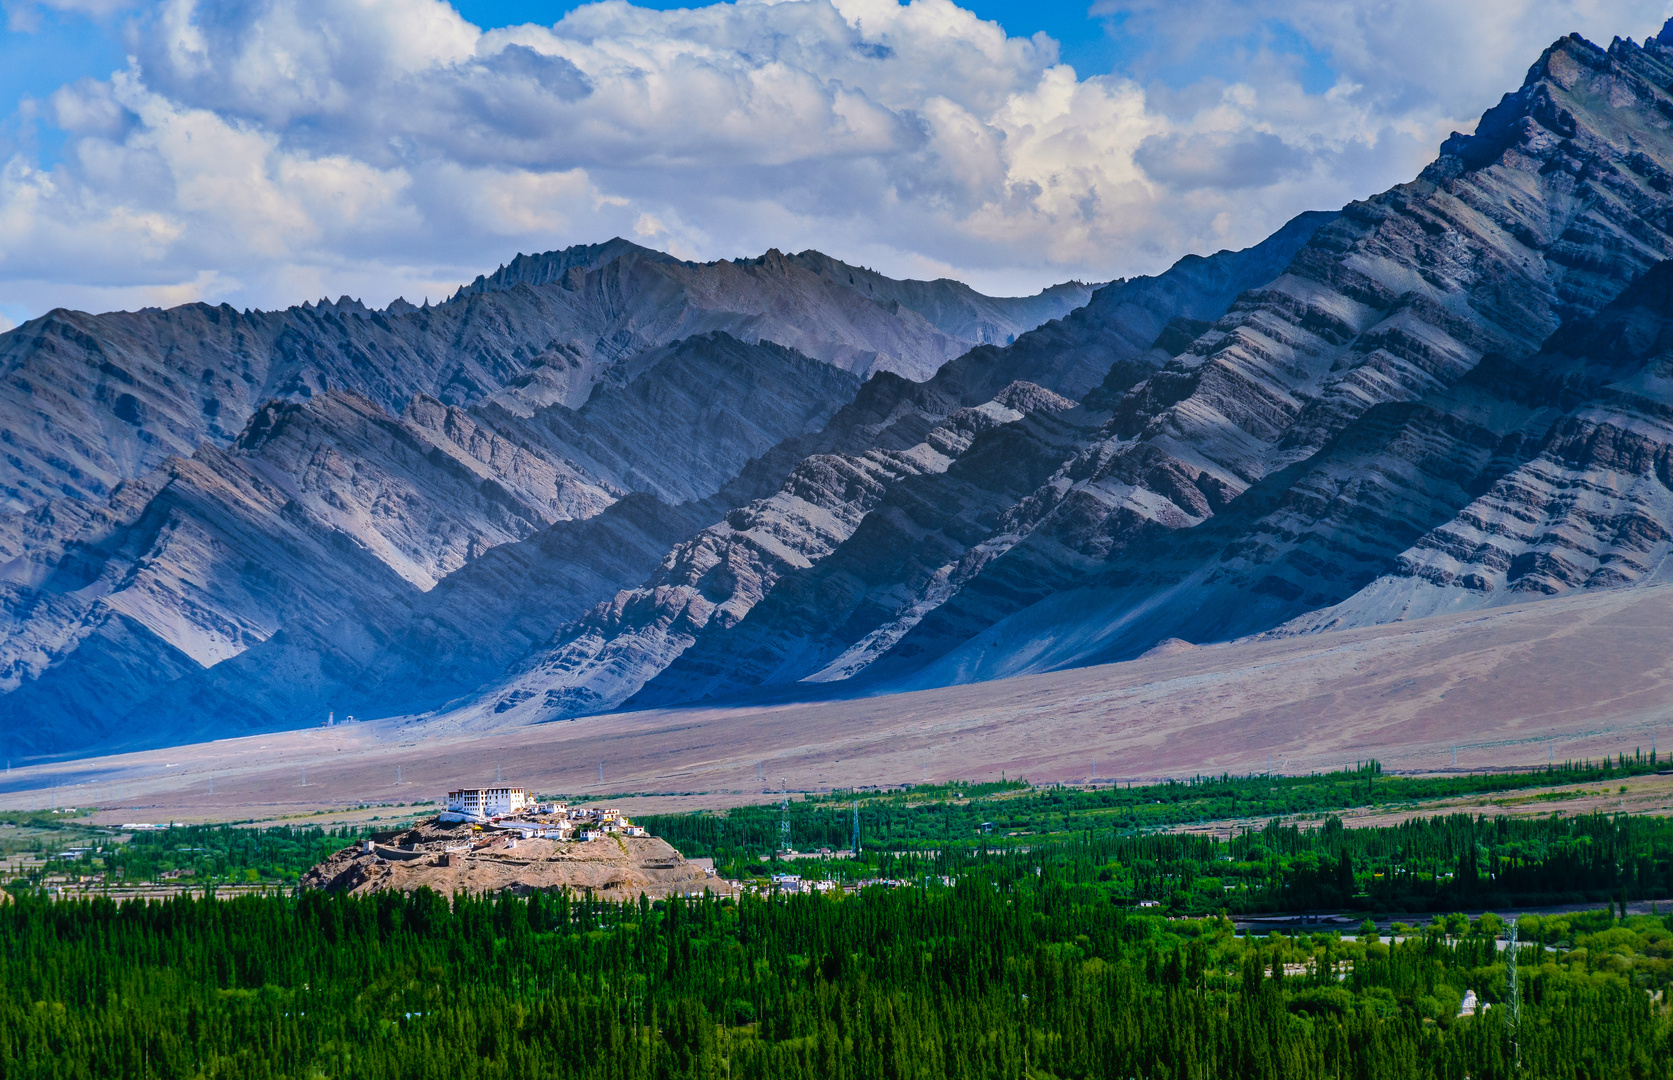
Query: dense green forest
x=970 y=815
x=1426 y=864
x=1106 y=835
x=1110 y=835
x=200 y=853
x=1422 y=865
x=1012 y=945
x=993 y=977
x=223 y=852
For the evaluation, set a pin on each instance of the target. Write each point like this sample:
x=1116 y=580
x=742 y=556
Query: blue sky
x=268 y=151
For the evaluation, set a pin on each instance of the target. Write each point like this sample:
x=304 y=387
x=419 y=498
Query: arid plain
x=1566 y=678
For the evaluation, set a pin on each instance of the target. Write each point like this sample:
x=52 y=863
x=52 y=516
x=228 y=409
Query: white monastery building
x=487 y=802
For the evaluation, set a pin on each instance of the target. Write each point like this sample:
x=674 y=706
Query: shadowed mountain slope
x=711 y=426
x=1443 y=397
x=1547 y=214
x=896 y=432
x=329 y=518
x=91 y=400
x=1567 y=178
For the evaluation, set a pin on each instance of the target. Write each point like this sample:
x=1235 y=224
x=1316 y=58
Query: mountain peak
x=1578 y=95
x=550 y=266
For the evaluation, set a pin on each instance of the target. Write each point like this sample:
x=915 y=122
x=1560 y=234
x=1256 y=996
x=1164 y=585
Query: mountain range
x=605 y=478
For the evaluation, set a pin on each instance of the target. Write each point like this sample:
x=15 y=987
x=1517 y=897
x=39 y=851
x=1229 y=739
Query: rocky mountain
x=894 y=431
x=334 y=513
x=1580 y=492
x=1342 y=495
x=88 y=401
x=715 y=578
x=1275 y=408
x=326 y=524
x=1449 y=395
x=1402 y=481
x=689 y=426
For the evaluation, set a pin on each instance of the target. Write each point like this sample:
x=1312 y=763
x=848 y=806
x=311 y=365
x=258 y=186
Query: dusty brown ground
x=1570 y=678
x=454 y=858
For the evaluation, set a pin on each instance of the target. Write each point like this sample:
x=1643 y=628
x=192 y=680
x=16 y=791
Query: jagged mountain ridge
x=952 y=307
x=1227 y=470
x=1561 y=201
x=1587 y=134
x=417 y=658
x=1396 y=299
x=830 y=621
x=332 y=513
x=524 y=402
x=91 y=400
x=1506 y=481
x=894 y=430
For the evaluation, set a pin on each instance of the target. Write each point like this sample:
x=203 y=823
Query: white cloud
x=264 y=151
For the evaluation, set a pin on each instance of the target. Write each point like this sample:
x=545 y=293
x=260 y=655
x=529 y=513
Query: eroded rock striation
x=329 y=518
x=689 y=617
x=91 y=400
x=1446 y=396
x=381 y=453
x=1545 y=215
x=1580 y=495
x=1286 y=451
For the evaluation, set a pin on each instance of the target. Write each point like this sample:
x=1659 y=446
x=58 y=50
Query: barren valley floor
x=1567 y=678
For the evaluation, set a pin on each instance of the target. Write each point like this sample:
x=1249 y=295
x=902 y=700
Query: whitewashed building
x=487 y=802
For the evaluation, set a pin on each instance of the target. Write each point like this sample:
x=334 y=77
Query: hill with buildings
x=494 y=840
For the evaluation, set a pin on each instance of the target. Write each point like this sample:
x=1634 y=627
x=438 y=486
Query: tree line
x=1036 y=978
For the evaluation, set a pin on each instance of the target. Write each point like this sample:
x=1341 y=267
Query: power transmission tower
x=784 y=825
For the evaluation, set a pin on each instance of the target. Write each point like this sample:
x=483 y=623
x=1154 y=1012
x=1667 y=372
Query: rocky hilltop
x=455 y=857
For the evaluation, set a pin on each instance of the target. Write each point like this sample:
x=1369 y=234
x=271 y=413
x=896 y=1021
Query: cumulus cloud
x=267 y=151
